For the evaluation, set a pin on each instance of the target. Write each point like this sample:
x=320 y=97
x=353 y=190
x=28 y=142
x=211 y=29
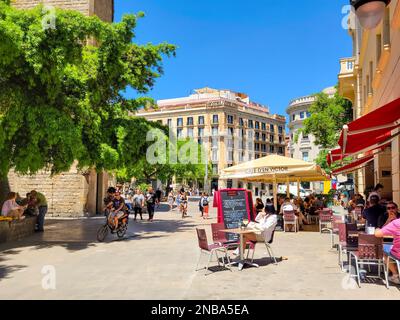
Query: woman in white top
x=11 y=208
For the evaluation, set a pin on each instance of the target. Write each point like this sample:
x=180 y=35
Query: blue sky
x=273 y=50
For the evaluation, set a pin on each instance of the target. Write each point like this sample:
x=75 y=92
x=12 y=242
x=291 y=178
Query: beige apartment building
x=73 y=193
x=231 y=128
x=371 y=80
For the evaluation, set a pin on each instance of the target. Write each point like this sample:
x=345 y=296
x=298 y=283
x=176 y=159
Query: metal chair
x=346 y=242
x=269 y=249
x=325 y=221
x=220 y=237
x=397 y=261
x=290 y=218
x=370 y=252
x=210 y=250
x=336 y=220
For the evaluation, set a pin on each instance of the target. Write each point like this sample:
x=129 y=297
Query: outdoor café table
x=241 y=232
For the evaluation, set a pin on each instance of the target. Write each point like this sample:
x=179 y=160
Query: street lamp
x=370 y=12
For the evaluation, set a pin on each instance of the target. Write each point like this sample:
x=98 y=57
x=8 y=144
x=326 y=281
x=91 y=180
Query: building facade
x=304 y=148
x=371 y=79
x=73 y=193
x=231 y=128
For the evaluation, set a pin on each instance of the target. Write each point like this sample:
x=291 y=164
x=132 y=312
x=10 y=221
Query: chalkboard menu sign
x=234 y=207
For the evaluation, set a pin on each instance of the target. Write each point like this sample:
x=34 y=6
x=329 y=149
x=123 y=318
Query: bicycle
x=120 y=231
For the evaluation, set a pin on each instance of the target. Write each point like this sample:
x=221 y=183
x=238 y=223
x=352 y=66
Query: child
x=205 y=205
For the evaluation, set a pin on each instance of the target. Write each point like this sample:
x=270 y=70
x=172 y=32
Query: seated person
x=269 y=207
x=288 y=206
x=372 y=214
x=118 y=211
x=265 y=224
x=390 y=215
x=11 y=208
x=392 y=229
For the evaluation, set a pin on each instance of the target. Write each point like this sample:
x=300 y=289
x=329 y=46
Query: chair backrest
x=217 y=235
x=272 y=237
x=202 y=238
x=289 y=215
x=325 y=216
x=370 y=247
x=342 y=232
x=351 y=228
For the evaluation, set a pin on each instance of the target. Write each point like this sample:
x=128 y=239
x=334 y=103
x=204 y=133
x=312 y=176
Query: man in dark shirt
x=374 y=212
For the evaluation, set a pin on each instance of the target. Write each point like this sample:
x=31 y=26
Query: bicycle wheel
x=102 y=233
x=121 y=232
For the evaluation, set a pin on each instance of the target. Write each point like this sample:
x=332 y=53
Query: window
x=230 y=156
x=190 y=132
x=214 y=131
x=214 y=142
x=264 y=137
x=251 y=124
x=215 y=155
x=229 y=184
x=215 y=118
x=271 y=138
x=169 y=123
x=179 y=122
x=305 y=137
x=280 y=130
x=264 y=148
x=241 y=122
x=257 y=136
x=280 y=139
x=240 y=144
x=263 y=126
x=302 y=115
x=159 y=121
x=190 y=121
x=305 y=156
x=271 y=149
x=215 y=169
x=201 y=120
x=308 y=114
x=230 y=143
x=230 y=132
x=280 y=150
x=272 y=127
x=294 y=117
x=230 y=119
x=201 y=132
x=257 y=125
x=257 y=147
x=179 y=133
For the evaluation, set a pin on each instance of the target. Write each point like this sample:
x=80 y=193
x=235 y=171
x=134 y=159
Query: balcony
x=347 y=78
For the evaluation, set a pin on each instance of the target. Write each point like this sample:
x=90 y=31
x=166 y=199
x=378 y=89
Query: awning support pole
x=275 y=194
x=287 y=187
x=298 y=187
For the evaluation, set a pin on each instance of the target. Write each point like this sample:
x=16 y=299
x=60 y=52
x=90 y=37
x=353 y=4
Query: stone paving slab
x=157 y=261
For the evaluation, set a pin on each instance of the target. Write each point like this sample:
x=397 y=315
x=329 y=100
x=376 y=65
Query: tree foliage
x=328 y=116
x=61 y=90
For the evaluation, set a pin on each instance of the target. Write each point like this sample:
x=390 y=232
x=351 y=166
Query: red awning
x=334 y=155
x=370 y=131
x=354 y=165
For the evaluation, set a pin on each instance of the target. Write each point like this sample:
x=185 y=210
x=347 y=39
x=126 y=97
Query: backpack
x=205 y=202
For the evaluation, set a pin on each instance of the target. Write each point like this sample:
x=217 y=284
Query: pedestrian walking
x=171 y=200
x=151 y=200
x=138 y=204
x=205 y=205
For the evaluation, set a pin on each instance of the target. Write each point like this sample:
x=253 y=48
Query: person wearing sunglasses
x=392 y=228
x=391 y=214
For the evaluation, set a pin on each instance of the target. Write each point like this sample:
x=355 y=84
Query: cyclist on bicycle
x=108 y=201
x=118 y=211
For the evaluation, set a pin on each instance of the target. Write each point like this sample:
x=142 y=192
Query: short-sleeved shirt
x=372 y=215
x=393 y=229
x=41 y=199
x=107 y=200
x=138 y=199
x=8 y=206
x=118 y=202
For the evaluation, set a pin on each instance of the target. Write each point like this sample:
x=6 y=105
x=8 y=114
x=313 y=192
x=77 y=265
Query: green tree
x=328 y=116
x=61 y=97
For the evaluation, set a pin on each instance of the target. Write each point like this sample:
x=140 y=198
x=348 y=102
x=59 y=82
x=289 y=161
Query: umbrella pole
x=298 y=188
x=275 y=195
x=287 y=187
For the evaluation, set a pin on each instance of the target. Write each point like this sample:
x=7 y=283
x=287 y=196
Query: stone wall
x=79 y=5
x=16 y=230
x=66 y=193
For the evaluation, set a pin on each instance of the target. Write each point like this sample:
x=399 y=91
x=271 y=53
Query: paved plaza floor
x=157 y=261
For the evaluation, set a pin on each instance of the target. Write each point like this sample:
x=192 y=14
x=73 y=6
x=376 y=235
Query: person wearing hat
x=373 y=214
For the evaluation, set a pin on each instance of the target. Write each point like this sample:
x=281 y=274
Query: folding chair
x=346 y=242
x=290 y=218
x=269 y=249
x=210 y=250
x=370 y=252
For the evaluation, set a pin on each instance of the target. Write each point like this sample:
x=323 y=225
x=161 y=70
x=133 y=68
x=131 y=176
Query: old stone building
x=72 y=193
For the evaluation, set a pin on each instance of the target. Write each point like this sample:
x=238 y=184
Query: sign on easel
x=234 y=207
